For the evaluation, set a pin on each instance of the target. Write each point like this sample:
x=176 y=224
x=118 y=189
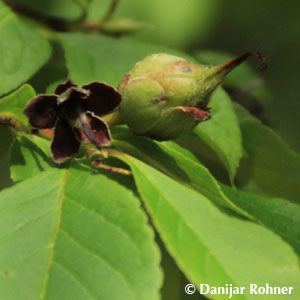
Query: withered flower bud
x=75 y=113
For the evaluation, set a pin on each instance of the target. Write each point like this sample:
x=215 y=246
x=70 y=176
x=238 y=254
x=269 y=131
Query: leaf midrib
x=58 y=222
x=9 y=12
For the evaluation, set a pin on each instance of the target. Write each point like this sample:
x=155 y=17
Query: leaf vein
x=24 y=258
x=26 y=223
x=72 y=275
x=83 y=207
x=101 y=259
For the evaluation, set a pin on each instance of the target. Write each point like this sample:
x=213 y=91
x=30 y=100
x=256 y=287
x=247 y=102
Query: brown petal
x=102 y=99
x=64 y=144
x=95 y=131
x=61 y=88
x=42 y=111
x=196 y=113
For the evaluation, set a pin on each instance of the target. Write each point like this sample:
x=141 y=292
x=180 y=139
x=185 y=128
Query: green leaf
x=27 y=159
x=93 y=57
x=280 y=215
x=205 y=155
x=209 y=245
x=70 y=234
x=222 y=132
x=176 y=162
x=54 y=71
x=270 y=167
x=22 y=50
x=14 y=104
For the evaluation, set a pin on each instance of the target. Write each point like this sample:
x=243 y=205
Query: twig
x=97 y=26
x=96 y=156
x=111 y=10
x=8 y=120
x=100 y=165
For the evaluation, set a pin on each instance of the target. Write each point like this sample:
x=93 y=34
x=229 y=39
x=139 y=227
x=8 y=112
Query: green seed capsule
x=164 y=96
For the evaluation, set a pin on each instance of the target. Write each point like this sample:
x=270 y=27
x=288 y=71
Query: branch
x=111 y=10
x=99 y=165
x=8 y=120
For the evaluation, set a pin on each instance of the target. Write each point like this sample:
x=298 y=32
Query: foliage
x=224 y=199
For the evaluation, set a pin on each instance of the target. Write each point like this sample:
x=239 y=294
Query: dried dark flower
x=75 y=113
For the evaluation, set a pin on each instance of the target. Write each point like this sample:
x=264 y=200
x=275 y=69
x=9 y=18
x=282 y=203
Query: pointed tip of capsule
x=215 y=75
x=232 y=64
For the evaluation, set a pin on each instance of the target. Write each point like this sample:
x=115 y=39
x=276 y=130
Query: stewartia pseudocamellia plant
x=163 y=96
